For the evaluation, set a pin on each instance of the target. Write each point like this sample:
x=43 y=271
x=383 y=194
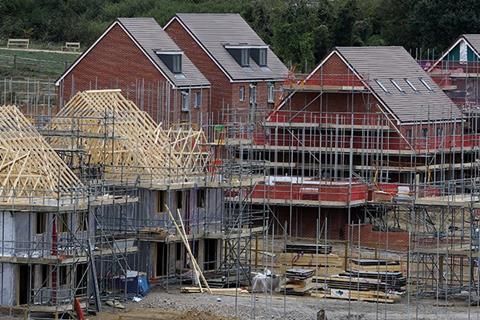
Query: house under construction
x=364 y=176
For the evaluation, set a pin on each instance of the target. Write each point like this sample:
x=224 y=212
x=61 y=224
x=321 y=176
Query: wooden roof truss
x=116 y=134
x=30 y=170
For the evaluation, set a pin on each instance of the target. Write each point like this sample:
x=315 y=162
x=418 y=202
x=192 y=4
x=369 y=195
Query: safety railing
x=356 y=119
x=372 y=142
x=340 y=192
x=343 y=81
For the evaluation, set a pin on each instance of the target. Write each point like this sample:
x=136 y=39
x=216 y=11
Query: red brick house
x=137 y=56
x=457 y=71
x=246 y=76
x=368 y=124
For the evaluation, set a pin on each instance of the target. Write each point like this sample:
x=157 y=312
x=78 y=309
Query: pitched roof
x=474 y=40
x=378 y=66
x=150 y=37
x=215 y=30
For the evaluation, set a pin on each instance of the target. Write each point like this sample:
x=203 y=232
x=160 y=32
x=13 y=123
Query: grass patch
x=34 y=64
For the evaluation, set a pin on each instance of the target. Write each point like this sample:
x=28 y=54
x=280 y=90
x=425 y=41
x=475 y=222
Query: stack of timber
x=366 y=280
x=308 y=248
x=392 y=279
x=298 y=281
x=217 y=291
x=323 y=264
x=368 y=296
x=350 y=288
x=375 y=265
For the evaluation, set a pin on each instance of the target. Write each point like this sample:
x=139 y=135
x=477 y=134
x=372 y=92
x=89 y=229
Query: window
x=439 y=132
x=241 y=93
x=179 y=199
x=426 y=84
x=185 y=101
x=62 y=222
x=381 y=85
x=425 y=132
x=198 y=99
x=262 y=57
x=271 y=92
x=409 y=135
x=253 y=94
x=411 y=85
x=172 y=59
x=201 y=198
x=463 y=52
x=44 y=271
x=41 y=222
x=161 y=200
x=83 y=221
x=62 y=275
x=244 y=58
x=397 y=86
x=177 y=64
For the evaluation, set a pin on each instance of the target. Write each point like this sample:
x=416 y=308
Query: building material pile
x=367 y=280
x=31 y=172
x=298 y=281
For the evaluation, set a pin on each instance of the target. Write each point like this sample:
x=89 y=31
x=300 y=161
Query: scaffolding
x=349 y=182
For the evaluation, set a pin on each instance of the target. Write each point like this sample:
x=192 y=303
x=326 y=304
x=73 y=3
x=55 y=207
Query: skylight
x=411 y=85
x=381 y=85
x=397 y=86
x=426 y=84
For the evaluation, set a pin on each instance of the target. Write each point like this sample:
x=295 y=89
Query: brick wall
x=117 y=63
x=378 y=239
x=221 y=87
x=304 y=221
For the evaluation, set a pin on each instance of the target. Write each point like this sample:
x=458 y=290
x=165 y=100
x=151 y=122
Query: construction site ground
x=159 y=304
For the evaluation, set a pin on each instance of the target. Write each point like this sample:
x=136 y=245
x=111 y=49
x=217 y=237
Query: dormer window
x=172 y=59
x=259 y=55
x=243 y=52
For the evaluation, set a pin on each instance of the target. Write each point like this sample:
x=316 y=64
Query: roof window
x=381 y=85
x=397 y=86
x=425 y=84
x=411 y=85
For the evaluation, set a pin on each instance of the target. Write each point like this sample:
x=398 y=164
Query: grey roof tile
x=214 y=30
x=387 y=63
x=150 y=36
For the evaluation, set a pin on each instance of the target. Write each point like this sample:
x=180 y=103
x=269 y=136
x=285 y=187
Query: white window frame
x=244 y=57
x=411 y=85
x=270 y=92
x=253 y=93
x=397 y=86
x=262 y=57
x=198 y=99
x=241 y=93
x=185 y=101
x=177 y=64
x=381 y=86
x=425 y=84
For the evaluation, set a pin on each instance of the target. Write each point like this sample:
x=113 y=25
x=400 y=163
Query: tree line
x=301 y=32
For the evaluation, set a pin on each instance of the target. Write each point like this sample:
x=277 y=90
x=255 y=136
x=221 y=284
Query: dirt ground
x=174 y=305
x=157 y=314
